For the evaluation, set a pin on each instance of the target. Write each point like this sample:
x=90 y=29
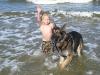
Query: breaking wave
x=58 y=1
x=61 y=12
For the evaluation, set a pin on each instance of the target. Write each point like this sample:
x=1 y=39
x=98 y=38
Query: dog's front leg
x=61 y=60
x=66 y=61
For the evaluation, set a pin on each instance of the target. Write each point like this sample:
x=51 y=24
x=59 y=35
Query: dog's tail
x=80 y=48
x=81 y=43
x=78 y=43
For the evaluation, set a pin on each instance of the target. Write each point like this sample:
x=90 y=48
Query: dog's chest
x=64 y=53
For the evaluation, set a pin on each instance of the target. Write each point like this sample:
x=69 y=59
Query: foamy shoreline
x=72 y=13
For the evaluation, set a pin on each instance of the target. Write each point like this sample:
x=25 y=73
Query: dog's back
x=67 y=41
x=76 y=40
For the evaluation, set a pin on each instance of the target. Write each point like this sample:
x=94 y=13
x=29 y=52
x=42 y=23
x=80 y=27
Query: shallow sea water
x=20 y=41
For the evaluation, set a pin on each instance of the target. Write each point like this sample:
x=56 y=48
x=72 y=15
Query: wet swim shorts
x=46 y=46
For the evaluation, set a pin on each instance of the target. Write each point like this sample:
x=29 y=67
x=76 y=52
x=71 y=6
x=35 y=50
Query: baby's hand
x=39 y=9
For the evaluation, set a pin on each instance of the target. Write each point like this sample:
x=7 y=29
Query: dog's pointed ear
x=55 y=25
x=63 y=27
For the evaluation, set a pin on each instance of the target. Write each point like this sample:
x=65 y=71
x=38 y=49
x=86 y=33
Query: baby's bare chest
x=46 y=29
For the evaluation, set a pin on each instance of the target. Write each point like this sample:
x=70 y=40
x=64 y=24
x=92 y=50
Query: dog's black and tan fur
x=71 y=43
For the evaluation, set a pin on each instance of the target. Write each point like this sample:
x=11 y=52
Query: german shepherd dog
x=68 y=44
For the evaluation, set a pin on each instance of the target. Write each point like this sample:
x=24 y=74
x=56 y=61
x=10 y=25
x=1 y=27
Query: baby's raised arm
x=39 y=10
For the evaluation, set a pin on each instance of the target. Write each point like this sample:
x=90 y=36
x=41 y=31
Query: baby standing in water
x=46 y=27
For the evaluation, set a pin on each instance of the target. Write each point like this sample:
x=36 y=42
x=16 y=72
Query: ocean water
x=20 y=37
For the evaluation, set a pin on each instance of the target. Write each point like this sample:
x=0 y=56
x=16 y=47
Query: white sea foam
x=83 y=14
x=38 y=36
x=4 y=17
x=98 y=27
x=57 y=1
x=51 y=74
x=74 y=28
x=30 y=52
x=61 y=12
x=91 y=48
x=72 y=13
x=25 y=18
x=54 y=57
x=89 y=72
x=5 y=32
x=14 y=69
x=76 y=13
x=36 y=31
x=91 y=53
x=97 y=38
x=4 y=35
x=23 y=25
x=8 y=63
x=43 y=1
x=49 y=64
x=37 y=52
x=3 y=38
x=91 y=45
x=7 y=21
x=8 y=53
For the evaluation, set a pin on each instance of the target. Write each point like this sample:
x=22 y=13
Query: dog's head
x=60 y=37
x=57 y=31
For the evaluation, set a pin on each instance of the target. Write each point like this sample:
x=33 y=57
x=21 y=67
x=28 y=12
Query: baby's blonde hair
x=43 y=14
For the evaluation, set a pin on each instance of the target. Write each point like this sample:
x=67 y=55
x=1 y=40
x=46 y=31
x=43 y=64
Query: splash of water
x=57 y=1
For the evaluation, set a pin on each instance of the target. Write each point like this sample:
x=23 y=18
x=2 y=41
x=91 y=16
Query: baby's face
x=46 y=19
